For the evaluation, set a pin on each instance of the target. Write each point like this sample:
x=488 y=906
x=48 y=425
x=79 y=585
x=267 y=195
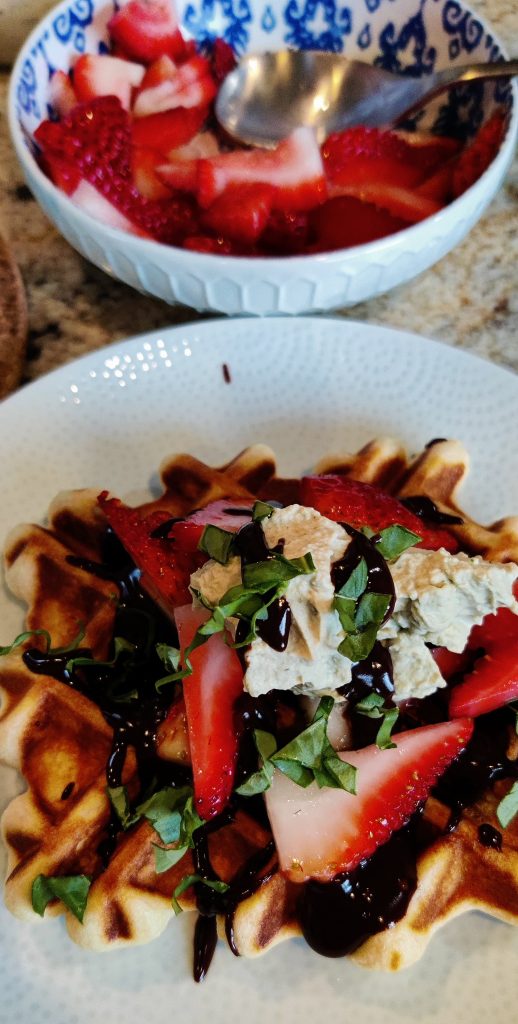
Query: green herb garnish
x=211 y=883
x=217 y=543
x=508 y=807
x=372 y=706
x=72 y=890
x=261 y=510
x=308 y=758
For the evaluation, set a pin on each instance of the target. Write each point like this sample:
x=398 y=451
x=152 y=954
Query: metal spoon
x=268 y=95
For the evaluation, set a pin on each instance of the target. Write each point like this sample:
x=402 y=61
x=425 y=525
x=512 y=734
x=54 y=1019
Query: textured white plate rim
x=44 y=977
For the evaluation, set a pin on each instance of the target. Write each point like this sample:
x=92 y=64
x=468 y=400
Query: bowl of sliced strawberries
x=112 y=116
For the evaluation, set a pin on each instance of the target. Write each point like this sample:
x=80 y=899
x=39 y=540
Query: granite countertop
x=469 y=299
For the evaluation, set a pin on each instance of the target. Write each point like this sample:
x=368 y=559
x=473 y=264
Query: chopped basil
x=72 y=890
x=171 y=813
x=355 y=585
x=263 y=582
x=393 y=540
x=170 y=658
x=261 y=510
x=211 y=883
x=165 y=859
x=22 y=637
x=216 y=543
x=372 y=706
x=508 y=807
x=262 y=779
x=361 y=613
x=121 y=646
x=262 y=576
x=308 y=758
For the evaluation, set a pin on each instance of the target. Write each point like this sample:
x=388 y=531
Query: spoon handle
x=433 y=85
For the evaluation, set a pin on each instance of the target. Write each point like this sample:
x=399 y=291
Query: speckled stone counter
x=469 y=299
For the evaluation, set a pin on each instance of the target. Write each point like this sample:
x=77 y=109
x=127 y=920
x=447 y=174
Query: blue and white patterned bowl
x=414 y=36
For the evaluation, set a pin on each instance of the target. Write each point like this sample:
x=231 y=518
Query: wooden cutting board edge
x=13 y=322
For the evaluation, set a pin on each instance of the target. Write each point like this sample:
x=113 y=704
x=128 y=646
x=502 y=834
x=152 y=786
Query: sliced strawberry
x=404 y=203
x=191 y=85
x=106 y=76
x=95 y=140
x=346 y=221
x=168 y=130
x=322 y=832
x=241 y=212
x=210 y=694
x=146 y=29
x=369 y=155
x=92 y=202
x=209 y=244
x=222 y=60
x=143 y=168
x=496 y=630
x=476 y=157
x=62 y=173
x=449 y=663
x=181 y=169
x=438 y=186
x=62 y=95
x=166 y=567
x=286 y=233
x=346 y=500
x=161 y=70
x=294 y=168
x=492 y=683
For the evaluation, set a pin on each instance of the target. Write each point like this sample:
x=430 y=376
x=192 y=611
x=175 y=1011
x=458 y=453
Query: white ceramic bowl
x=415 y=34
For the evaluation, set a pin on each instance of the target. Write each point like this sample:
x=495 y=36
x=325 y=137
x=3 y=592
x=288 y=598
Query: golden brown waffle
x=55 y=737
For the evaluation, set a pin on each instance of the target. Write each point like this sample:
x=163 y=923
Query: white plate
x=306 y=387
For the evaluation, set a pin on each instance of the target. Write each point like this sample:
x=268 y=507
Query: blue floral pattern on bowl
x=408 y=36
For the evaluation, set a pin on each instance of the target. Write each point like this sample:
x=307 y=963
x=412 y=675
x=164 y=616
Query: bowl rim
x=191 y=258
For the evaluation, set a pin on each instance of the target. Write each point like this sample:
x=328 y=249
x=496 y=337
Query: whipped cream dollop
x=439 y=598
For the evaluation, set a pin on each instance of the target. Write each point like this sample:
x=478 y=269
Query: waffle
x=60 y=741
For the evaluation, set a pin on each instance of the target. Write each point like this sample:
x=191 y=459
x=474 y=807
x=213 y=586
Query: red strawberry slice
x=190 y=85
x=161 y=70
x=346 y=221
x=62 y=95
x=476 y=157
x=362 y=155
x=493 y=683
x=166 y=567
x=222 y=60
x=322 y=832
x=62 y=173
x=496 y=630
x=106 y=76
x=87 y=198
x=241 y=212
x=146 y=29
x=294 y=168
x=449 y=663
x=439 y=185
x=404 y=203
x=95 y=140
x=213 y=246
x=168 y=130
x=286 y=233
x=143 y=167
x=346 y=500
x=210 y=694
x=181 y=169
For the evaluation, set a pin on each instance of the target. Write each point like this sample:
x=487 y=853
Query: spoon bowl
x=270 y=94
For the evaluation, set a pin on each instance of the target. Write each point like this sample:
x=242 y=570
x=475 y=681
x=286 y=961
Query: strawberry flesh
x=346 y=500
x=146 y=29
x=492 y=683
x=241 y=212
x=320 y=833
x=95 y=141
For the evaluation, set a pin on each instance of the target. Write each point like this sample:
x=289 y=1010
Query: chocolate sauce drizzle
x=335 y=917
x=250 y=544
x=426 y=509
